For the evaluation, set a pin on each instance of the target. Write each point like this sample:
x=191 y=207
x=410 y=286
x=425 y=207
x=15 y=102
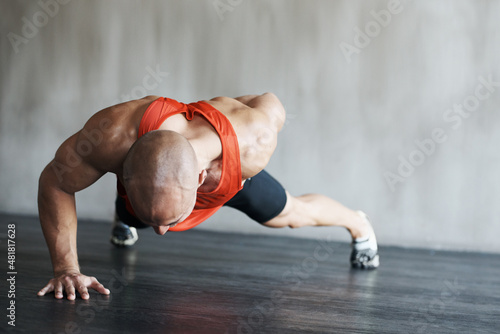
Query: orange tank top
x=230 y=182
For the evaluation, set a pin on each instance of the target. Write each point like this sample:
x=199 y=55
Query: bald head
x=160 y=174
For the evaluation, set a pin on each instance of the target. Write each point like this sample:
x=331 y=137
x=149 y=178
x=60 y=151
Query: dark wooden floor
x=204 y=282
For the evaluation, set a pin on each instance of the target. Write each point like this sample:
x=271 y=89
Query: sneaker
x=123 y=235
x=364 y=253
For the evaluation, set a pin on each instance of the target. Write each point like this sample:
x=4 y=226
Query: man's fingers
x=58 y=290
x=98 y=286
x=82 y=289
x=46 y=289
x=71 y=284
x=70 y=290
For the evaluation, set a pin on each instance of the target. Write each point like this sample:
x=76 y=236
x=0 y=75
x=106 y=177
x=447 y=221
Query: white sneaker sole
x=127 y=242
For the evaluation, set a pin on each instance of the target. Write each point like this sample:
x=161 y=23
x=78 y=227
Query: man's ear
x=202 y=177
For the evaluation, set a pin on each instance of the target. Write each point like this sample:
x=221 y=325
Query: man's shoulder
x=110 y=133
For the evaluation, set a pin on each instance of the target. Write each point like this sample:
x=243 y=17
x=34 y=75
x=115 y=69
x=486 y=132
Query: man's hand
x=71 y=282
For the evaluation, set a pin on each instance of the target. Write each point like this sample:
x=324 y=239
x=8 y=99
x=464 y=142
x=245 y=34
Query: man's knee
x=294 y=215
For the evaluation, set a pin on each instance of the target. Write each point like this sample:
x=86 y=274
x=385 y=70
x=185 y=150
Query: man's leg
x=266 y=201
x=123 y=231
x=319 y=210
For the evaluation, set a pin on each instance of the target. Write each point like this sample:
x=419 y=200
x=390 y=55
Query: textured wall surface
x=392 y=108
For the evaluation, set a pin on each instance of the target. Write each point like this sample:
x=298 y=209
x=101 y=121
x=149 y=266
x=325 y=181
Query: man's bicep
x=70 y=170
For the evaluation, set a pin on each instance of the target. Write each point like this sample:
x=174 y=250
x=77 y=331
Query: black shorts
x=262 y=199
x=125 y=216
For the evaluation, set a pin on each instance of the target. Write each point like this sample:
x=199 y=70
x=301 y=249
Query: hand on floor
x=70 y=283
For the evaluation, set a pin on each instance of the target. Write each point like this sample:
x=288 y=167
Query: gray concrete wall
x=359 y=104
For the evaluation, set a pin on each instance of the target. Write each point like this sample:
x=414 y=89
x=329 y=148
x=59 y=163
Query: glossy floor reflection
x=204 y=282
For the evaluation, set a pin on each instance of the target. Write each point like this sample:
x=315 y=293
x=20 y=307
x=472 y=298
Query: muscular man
x=177 y=164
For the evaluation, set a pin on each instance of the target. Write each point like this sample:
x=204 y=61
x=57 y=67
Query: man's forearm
x=58 y=220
